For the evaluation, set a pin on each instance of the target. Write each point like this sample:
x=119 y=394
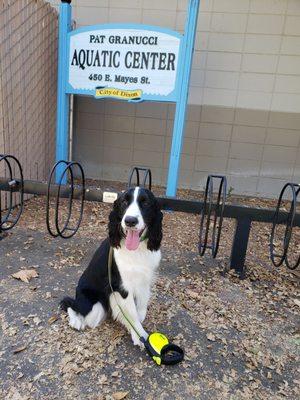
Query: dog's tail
x=68 y=302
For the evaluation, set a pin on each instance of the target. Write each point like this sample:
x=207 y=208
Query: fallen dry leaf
x=25 y=275
x=103 y=380
x=119 y=395
x=36 y=320
x=297 y=302
x=19 y=349
x=211 y=337
x=52 y=319
x=15 y=395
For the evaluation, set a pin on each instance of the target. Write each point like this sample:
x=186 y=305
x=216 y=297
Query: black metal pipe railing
x=167 y=203
x=211 y=213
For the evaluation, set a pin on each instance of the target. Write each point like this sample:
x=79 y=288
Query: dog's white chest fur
x=137 y=268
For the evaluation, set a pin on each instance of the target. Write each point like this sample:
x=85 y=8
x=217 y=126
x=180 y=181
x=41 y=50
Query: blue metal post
x=181 y=105
x=62 y=116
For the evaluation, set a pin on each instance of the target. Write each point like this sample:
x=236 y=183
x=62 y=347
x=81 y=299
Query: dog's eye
x=144 y=202
x=124 y=202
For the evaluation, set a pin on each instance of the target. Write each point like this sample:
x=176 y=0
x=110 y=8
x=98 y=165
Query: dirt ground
x=241 y=338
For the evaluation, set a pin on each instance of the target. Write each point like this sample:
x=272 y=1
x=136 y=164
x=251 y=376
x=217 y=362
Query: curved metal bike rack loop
x=15 y=185
x=147 y=174
x=66 y=226
x=278 y=259
x=209 y=209
x=287 y=262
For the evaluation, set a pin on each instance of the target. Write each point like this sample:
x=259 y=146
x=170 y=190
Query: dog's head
x=136 y=215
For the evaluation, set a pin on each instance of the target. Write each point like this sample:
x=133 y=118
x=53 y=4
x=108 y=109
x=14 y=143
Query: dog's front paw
x=76 y=321
x=136 y=340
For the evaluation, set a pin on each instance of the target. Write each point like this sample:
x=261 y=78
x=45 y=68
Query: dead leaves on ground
x=25 y=275
x=120 y=395
x=247 y=323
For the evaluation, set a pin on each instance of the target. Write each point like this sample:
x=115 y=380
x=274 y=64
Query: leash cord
x=109 y=267
x=158 y=357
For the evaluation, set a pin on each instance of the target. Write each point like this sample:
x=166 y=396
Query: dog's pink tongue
x=132 y=240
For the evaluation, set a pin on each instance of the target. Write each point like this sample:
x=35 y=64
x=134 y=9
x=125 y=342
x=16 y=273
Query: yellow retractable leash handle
x=157 y=344
x=161 y=350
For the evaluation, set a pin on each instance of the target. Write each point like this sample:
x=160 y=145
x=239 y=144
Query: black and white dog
x=135 y=233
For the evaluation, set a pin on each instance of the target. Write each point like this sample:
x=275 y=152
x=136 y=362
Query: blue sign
x=127 y=62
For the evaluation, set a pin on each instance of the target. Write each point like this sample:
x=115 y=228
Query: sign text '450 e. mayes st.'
x=130 y=64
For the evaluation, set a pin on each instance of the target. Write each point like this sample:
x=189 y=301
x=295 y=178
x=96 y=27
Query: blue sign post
x=129 y=62
x=181 y=104
x=63 y=99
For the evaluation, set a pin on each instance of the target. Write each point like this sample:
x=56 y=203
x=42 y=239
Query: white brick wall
x=244 y=118
x=233 y=36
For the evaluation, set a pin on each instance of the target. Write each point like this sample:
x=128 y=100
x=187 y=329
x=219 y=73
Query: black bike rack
x=209 y=209
x=14 y=184
x=66 y=231
x=283 y=256
x=147 y=175
x=212 y=210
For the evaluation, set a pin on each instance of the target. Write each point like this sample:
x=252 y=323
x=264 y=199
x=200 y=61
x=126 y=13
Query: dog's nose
x=131 y=221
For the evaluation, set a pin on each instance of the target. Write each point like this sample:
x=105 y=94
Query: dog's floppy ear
x=114 y=225
x=155 y=229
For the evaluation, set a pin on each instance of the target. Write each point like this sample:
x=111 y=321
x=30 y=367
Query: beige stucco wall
x=244 y=114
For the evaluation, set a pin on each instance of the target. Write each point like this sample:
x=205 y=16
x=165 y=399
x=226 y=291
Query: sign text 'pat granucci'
x=129 y=63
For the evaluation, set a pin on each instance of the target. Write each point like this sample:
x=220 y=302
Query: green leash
x=157 y=344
